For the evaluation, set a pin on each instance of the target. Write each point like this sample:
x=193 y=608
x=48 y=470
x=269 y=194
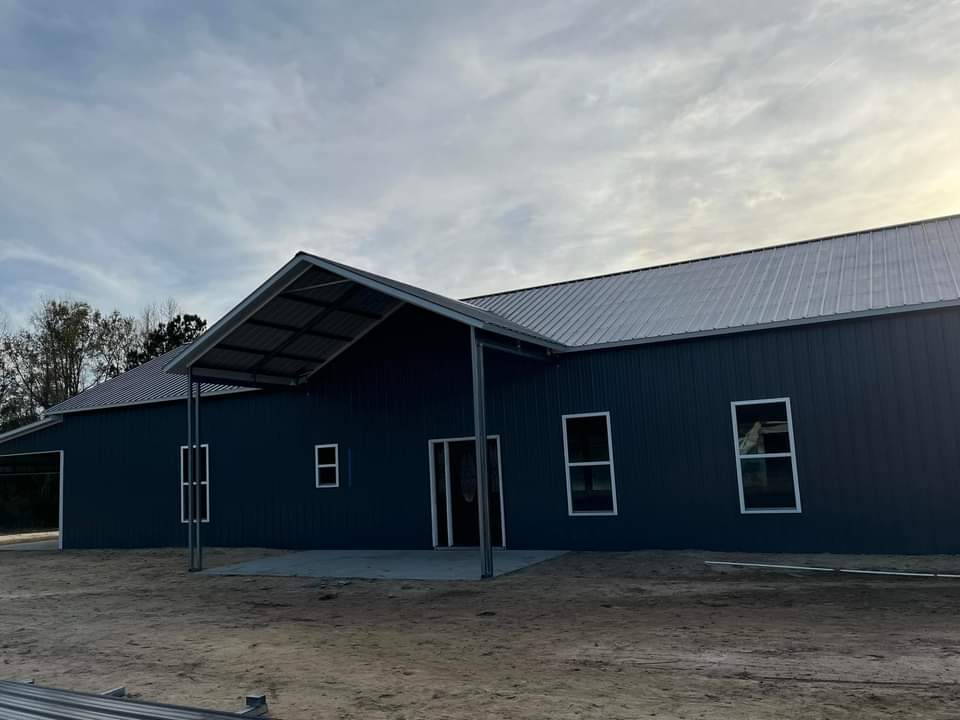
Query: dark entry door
x=456 y=497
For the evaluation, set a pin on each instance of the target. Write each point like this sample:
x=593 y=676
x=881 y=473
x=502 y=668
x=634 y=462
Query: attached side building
x=796 y=398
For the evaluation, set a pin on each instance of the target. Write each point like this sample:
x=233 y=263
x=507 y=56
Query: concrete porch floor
x=387 y=564
x=33 y=545
x=45 y=540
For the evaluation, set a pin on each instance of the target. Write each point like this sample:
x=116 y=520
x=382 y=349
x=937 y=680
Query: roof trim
x=154 y=401
x=31 y=428
x=742 y=329
x=704 y=258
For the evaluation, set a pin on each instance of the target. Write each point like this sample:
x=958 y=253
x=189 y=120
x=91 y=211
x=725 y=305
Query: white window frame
x=335 y=465
x=744 y=510
x=567 y=465
x=184 y=482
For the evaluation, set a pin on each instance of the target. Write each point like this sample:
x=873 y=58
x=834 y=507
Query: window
x=204 y=484
x=588 y=452
x=327 y=459
x=766 y=460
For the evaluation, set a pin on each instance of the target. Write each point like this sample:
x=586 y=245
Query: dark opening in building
x=29 y=492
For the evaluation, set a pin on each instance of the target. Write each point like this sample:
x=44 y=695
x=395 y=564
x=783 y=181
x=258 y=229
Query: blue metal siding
x=121 y=485
x=874 y=413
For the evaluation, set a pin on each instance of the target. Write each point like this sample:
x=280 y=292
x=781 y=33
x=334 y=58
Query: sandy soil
x=587 y=635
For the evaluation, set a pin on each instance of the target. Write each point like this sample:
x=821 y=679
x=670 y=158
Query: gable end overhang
x=309 y=312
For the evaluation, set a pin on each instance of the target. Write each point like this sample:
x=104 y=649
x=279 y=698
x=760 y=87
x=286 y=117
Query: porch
x=454 y=564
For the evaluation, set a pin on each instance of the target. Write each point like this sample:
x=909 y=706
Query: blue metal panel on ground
x=874 y=412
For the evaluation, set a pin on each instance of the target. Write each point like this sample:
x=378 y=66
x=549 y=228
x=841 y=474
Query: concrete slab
x=46 y=544
x=34 y=545
x=387 y=564
x=22 y=537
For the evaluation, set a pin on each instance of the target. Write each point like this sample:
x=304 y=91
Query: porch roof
x=310 y=311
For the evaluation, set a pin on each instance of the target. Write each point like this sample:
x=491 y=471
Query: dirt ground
x=629 y=635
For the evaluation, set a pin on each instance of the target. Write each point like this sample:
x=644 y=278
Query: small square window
x=327 y=465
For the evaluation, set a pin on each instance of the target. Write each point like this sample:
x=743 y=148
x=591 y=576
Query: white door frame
x=446 y=471
x=60 y=499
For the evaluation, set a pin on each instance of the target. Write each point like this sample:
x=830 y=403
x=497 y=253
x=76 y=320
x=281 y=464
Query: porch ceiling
x=309 y=312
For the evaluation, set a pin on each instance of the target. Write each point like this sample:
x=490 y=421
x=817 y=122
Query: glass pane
x=185 y=473
x=493 y=467
x=768 y=483
x=587 y=439
x=327 y=475
x=203 y=464
x=762 y=428
x=591 y=489
x=440 y=478
x=204 y=510
x=326 y=455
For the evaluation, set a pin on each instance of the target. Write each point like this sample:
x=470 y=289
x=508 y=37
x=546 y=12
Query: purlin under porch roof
x=310 y=311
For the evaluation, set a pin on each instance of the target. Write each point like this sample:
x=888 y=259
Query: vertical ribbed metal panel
x=874 y=411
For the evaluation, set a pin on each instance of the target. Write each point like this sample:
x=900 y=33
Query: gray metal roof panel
x=881 y=270
x=878 y=270
x=144 y=384
x=20 y=701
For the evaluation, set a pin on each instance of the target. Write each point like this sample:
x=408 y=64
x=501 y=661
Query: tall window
x=766 y=456
x=204 y=480
x=588 y=453
x=327 y=458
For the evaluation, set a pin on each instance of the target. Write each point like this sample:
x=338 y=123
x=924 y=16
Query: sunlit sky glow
x=161 y=149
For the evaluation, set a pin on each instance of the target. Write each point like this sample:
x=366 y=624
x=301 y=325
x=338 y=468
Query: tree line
x=68 y=346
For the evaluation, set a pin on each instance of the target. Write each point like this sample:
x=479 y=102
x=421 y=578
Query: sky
x=187 y=150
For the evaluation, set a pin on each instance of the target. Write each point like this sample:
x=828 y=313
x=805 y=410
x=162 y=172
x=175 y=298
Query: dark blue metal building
x=796 y=398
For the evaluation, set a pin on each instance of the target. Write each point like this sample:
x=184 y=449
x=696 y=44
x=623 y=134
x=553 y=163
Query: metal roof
x=310 y=311
x=31 y=428
x=910 y=266
x=147 y=383
x=313 y=308
x=20 y=701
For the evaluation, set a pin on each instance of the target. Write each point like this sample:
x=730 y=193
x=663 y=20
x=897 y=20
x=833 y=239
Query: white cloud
x=153 y=150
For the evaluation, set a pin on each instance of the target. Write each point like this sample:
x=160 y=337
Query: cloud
x=155 y=150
